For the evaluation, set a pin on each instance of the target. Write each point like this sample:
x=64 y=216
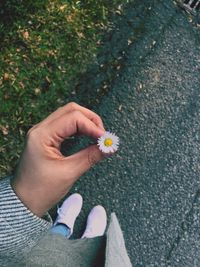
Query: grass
x=45 y=46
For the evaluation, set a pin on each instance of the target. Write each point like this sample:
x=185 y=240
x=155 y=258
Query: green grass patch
x=45 y=46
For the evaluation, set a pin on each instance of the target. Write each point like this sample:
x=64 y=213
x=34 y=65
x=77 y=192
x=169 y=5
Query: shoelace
x=60 y=212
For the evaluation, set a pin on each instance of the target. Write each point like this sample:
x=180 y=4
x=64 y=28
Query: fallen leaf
x=25 y=34
x=4 y=129
x=6 y=76
x=120 y=108
x=47 y=79
x=22 y=85
x=37 y=91
x=6 y=96
x=63 y=7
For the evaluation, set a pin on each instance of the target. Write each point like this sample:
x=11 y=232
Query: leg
x=67 y=215
x=62 y=229
x=96 y=223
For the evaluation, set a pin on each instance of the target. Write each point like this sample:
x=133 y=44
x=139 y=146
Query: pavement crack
x=185 y=226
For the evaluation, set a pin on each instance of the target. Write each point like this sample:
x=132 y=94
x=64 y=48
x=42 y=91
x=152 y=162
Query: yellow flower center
x=108 y=142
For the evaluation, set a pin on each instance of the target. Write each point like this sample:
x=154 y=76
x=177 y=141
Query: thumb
x=83 y=160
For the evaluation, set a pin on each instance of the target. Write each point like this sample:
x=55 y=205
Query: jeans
x=61 y=229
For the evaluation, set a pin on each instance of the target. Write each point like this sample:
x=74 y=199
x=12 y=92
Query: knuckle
x=76 y=114
x=60 y=108
x=32 y=133
x=98 y=118
x=72 y=106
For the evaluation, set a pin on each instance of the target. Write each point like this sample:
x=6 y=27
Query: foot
x=69 y=211
x=96 y=223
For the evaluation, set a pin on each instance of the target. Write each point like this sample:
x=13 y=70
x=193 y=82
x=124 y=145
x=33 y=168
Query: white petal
x=108 y=149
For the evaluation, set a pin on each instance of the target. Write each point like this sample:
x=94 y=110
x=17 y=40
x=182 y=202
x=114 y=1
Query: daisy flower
x=108 y=143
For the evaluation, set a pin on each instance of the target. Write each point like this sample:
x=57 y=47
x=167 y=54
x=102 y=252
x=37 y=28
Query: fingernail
x=106 y=155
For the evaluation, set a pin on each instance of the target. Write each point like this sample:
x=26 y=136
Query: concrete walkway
x=153 y=183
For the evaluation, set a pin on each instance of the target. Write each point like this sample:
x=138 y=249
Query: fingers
x=74 y=107
x=72 y=123
x=83 y=160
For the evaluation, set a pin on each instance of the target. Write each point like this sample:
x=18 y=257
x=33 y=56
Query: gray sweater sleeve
x=20 y=229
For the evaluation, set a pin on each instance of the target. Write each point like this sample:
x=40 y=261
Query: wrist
x=31 y=200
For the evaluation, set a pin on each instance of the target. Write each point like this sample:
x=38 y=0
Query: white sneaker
x=96 y=222
x=69 y=211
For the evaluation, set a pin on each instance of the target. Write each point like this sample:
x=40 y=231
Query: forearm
x=20 y=229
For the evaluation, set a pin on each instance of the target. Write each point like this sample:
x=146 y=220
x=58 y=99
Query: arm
x=20 y=229
x=44 y=176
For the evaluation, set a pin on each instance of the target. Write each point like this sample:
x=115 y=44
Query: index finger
x=74 y=107
x=74 y=122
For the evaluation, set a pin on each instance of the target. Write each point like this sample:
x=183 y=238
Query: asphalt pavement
x=146 y=86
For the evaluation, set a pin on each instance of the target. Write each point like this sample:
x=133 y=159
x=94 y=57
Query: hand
x=44 y=175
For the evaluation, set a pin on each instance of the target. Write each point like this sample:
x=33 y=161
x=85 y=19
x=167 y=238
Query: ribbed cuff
x=20 y=229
